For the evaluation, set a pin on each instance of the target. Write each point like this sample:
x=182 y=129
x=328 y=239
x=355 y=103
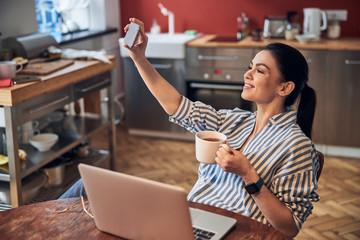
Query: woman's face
x=262 y=80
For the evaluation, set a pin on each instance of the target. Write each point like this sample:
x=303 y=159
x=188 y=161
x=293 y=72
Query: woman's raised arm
x=168 y=97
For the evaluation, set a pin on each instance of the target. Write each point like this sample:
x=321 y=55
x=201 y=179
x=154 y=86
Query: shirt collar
x=283 y=118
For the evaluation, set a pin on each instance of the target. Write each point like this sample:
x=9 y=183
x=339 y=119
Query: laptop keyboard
x=201 y=234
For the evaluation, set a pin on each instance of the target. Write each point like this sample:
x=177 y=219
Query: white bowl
x=44 y=141
x=305 y=38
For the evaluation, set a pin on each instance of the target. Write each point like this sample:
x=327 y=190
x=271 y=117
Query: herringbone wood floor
x=336 y=216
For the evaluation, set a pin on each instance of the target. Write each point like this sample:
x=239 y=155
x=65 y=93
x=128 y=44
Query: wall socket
x=339 y=15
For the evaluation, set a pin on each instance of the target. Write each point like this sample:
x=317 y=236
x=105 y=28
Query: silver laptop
x=135 y=208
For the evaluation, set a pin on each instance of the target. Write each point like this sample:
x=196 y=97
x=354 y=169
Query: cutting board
x=45 y=68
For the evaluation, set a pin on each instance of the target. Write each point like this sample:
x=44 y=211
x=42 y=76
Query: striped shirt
x=281 y=154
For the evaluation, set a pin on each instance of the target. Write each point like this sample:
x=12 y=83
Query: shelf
x=72 y=130
x=97 y=158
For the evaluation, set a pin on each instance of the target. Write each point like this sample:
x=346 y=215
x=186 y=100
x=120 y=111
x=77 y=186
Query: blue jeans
x=75 y=190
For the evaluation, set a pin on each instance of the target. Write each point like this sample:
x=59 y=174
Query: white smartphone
x=131 y=34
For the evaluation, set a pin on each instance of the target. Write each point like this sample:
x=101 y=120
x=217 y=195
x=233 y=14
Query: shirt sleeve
x=297 y=189
x=197 y=116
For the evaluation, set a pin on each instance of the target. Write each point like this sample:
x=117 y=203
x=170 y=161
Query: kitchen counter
x=323 y=44
x=80 y=70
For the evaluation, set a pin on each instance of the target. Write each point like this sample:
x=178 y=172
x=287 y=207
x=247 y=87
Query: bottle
x=155 y=29
x=242 y=26
x=47 y=17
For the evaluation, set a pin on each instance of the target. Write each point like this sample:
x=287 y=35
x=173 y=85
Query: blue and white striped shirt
x=281 y=154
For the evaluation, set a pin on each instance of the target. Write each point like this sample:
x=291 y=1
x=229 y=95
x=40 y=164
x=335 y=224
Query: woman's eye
x=259 y=71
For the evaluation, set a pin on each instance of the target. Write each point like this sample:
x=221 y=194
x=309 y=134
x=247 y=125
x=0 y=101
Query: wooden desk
x=42 y=221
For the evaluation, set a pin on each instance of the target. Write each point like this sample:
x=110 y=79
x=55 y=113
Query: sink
x=163 y=45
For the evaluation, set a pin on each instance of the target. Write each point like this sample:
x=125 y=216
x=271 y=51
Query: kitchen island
x=25 y=102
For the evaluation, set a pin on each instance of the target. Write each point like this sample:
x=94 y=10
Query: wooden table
x=43 y=221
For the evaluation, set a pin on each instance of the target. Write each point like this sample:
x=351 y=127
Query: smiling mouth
x=248 y=86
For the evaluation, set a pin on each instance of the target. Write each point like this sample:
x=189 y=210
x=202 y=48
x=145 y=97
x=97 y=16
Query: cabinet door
x=318 y=68
x=342 y=107
x=143 y=112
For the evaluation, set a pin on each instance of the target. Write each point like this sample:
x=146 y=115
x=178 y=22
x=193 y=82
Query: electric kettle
x=312 y=21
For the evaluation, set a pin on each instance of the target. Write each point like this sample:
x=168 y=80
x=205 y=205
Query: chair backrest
x=321 y=160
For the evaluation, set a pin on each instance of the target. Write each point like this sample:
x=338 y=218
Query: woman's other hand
x=233 y=161
x=138 y=50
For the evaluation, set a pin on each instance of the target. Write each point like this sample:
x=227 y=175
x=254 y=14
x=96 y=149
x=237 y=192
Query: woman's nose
x=248 y=74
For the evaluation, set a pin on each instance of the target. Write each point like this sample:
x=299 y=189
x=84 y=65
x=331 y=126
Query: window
x=59 y=17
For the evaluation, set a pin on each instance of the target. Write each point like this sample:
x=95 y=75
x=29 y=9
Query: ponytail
x=306 y=110
x=293 y=67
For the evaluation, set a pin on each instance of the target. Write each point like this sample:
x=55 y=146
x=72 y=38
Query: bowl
x=305 y=38
x=31 y=187
x=44 y=141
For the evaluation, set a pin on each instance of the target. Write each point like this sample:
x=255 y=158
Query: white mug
x=8 y=69
x=206 y=145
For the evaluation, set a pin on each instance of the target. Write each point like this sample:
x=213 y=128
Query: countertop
x=82 y=35
x=323 y=44
x=80 y=70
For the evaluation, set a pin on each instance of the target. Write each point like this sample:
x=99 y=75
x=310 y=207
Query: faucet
x=166 y=12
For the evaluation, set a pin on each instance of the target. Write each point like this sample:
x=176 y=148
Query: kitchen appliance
x=312 y=20
x=216 y=76
x=30 y=46
x=274 y=27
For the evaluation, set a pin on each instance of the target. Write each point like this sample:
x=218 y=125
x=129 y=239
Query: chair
x=321 y=160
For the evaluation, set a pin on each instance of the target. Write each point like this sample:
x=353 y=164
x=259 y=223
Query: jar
x=292 y=29
x=257 y=35
x=333 y=30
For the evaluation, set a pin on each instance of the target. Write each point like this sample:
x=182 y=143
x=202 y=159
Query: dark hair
x=293 y=67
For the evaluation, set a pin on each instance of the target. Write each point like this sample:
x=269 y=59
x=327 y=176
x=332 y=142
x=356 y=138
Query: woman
x=269 y=145
x=269 y=174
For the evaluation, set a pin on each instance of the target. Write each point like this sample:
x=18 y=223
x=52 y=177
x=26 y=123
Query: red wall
x=219 y=16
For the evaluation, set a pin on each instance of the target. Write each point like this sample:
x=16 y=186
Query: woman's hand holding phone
x=135 y=39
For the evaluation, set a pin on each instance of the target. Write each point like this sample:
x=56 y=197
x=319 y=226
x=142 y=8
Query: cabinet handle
x=352 y=62
x=216 y=86
x=222 y=58
x=31 y=111
x=82 y=90
x=162 y=66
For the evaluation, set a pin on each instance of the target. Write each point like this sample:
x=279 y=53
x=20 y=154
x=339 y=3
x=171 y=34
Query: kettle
x=312 y=21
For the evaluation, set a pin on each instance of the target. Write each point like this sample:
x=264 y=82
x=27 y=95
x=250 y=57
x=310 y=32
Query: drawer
x=91 y=85
x=39 y=106
x=238 y=58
